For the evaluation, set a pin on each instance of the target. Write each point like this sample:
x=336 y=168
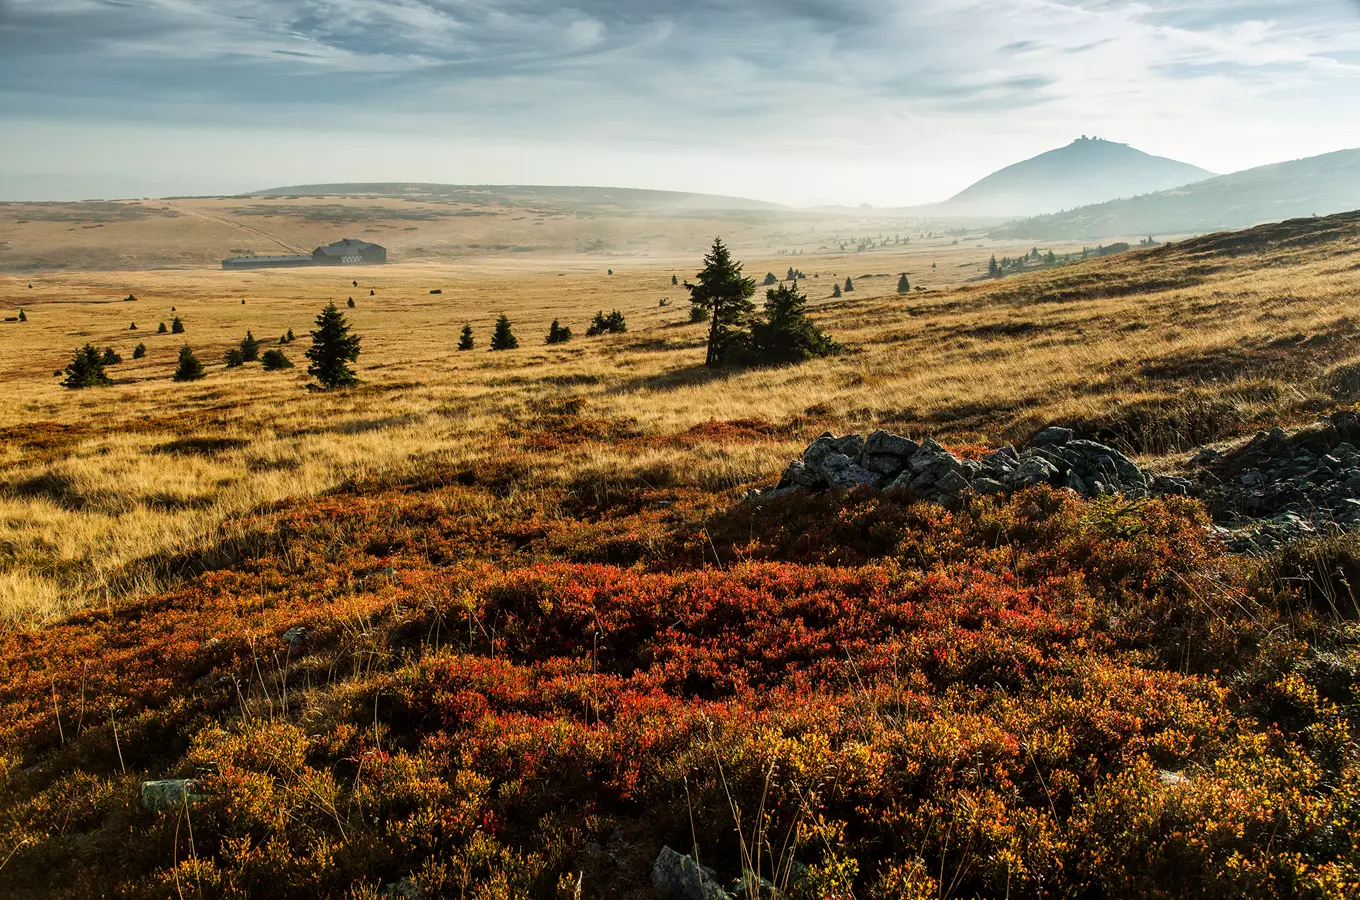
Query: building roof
x=260 y=259
x=347 y=247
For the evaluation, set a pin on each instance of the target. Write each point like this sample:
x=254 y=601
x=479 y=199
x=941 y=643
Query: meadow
x=544 y=635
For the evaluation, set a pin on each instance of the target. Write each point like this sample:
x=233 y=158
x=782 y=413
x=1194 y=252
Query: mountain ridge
x=1315 y=185
x=1086 y=171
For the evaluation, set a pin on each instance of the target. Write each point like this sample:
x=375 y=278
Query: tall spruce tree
x=723 y=295
x=176 y=326
x=849 y=285
x=333 y=347
x=189 y=368
x=250 y=348
x=465 y=339
x=86 y=370
x=903 y=285
x=503 y=338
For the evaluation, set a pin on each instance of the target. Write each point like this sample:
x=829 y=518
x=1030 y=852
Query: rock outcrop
x=886 y=460
x=1274 y=489
x=1280 y=487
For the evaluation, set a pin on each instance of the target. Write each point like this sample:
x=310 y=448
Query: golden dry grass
x=98 y=502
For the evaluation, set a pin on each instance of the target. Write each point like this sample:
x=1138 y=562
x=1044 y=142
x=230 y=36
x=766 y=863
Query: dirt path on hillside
x=292 y=248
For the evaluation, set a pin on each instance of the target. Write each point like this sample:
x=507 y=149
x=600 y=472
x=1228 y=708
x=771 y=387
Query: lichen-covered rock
x=1053 y=435
x=678 y=877
x=799 y=474
x=987 y=486
x=840 y=471
x=1032 y=471
x=168 y=793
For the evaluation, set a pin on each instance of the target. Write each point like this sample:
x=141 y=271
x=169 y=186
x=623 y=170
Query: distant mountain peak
x=1088 y=170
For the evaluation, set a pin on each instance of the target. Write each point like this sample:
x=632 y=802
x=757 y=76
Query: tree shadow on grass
x=689 y=376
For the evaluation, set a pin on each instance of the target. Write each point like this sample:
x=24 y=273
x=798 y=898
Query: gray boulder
x=930 y=463
x=1053 y=435
x=852 y=445
x=819 y=450
x=840 y=471
x=406 y=889
x=678 y=877
x=1032 y=471
x=799 y=475
x=169 y=793
x=885 y=442
x=952 y=484
x=1073 y=480
x=987 y=486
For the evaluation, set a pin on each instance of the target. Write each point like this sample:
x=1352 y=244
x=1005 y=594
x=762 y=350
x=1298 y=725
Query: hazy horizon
x=799 y=102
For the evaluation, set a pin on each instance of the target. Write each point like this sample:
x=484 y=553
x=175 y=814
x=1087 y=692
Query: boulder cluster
x=1273 y=490
x=1278 y=487
x=885 y=460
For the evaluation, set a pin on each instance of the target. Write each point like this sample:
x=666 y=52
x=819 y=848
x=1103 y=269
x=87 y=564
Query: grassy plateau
x=542 y=635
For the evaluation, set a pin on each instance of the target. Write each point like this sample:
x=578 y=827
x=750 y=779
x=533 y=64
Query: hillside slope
x=1317 y=185
x=1089 y=170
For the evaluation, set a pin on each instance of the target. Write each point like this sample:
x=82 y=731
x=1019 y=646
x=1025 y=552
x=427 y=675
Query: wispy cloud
x=879 y=76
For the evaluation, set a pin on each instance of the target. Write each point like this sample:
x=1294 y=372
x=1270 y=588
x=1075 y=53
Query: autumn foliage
x=861 y=695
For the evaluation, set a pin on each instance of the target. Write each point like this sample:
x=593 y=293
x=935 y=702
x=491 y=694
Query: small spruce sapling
x=23 y=317
x=176 y=325
x=139 y=352
x=111 y=357
x=503 y=338
x=835 y=290
x=903 y=285
x=849 y=285
x=233 y=358
x=189 y=368
x=274 y=360
x=557 y=334
x=350 y=303
x=465 y=341
x=162 y=329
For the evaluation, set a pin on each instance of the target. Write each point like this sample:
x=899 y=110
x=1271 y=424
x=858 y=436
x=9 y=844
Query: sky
x=801 y=102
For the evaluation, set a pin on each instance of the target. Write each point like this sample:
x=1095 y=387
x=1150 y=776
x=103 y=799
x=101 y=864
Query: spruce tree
x=250 y=348
x=465 y=339
x=111 y=357
x=674 y=281
x=835 y=290
x=350 y=303
x=992 y=269
x=86 y=369
x=903 y=285
x=785 y=334
x=234 y=358
x=770 y=279
x=849 y=285
x=557 y=334
x=502 y=338
x=722 y=295
x=132 y=327
x=274 y=360
x=22 y=316
x=139 y=351
x=332 y=348
x=176 y=325
x=189 y=368
x=290 y=337
x=162 y=329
